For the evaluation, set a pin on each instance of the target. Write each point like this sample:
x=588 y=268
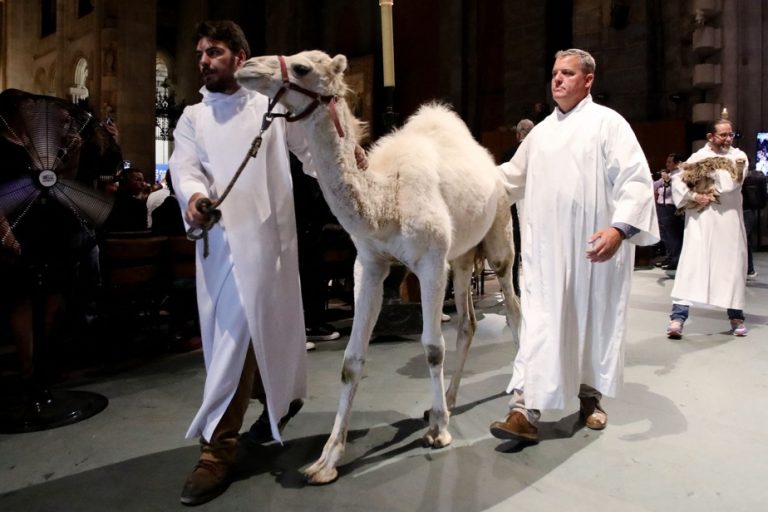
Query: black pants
x=671 y=227
x=516 y=241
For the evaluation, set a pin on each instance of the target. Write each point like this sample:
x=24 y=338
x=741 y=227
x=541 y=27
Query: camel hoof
x=320 y=475
x=441 y=440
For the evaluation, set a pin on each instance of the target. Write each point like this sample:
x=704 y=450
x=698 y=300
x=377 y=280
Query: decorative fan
x=52 y=155
x=49 y=149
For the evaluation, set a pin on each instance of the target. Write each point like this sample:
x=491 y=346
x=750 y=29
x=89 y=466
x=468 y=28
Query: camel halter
x=210 y=208
x=317 y=99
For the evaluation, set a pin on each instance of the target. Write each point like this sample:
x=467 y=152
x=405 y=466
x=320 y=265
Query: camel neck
x=348 y=190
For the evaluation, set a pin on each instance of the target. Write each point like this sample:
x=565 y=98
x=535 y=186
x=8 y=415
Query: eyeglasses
x=725 y=135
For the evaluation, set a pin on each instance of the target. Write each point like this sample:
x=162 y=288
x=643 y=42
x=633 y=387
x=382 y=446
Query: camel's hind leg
x=432 y=272
x=498 y=248
x=462 y=268
x=369 y=274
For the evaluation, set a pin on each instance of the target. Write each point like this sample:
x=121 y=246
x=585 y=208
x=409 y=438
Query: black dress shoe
x=261 y=432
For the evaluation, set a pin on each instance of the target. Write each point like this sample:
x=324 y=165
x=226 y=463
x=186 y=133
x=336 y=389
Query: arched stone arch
x=79 y=91
x=164 y=60
x=161 y=73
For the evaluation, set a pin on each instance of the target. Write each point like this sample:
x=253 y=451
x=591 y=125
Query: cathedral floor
x=687 y=432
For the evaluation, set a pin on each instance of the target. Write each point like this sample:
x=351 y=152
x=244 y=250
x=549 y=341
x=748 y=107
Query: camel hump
x=437 y=118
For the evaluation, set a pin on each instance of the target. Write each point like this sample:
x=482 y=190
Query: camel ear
x=339 y=64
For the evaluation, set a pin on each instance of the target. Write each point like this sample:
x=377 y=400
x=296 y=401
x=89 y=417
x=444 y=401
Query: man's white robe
x=248 y=286
x=713 y=263
x=578 y=172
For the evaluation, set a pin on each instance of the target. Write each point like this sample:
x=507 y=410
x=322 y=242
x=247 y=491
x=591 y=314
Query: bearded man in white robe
x=713 y=263
x=588 y=197
x=248 y=285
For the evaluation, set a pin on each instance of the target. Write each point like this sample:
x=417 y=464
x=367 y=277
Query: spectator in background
x=540 y=111
x=312 y=217
x=671 y=225
x=159 y=193
x=522 y=129
x=167 y=218
x=129 y=213
x=754 y=199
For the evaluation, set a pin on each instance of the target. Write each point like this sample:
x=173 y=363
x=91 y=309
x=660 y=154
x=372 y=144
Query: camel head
x=313 y=71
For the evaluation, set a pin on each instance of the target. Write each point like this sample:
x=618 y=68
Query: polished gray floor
x=688 y=432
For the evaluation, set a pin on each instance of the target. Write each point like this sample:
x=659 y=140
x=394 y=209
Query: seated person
x=156 y=197
x=129 y=212
x=167 y=217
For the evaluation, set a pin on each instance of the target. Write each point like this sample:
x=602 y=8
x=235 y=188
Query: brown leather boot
x=211 y=476
x=516 y=426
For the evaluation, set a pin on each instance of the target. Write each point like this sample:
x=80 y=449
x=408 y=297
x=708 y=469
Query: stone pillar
x=186 y=78
x=135 y=77
x=20 y=46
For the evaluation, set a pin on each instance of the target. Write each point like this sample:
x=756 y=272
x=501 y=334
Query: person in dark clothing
x=521 y=130
x=314 y=225
x=671 y=225
x=755 y=197
x=129 y=212
x=167 y=218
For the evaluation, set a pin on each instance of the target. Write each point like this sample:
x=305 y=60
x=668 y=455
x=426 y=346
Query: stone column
x=135 y=76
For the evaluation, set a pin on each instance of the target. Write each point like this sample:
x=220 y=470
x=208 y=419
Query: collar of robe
x=562 y=115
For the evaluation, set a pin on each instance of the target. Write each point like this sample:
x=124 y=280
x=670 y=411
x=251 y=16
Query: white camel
x=431 y=195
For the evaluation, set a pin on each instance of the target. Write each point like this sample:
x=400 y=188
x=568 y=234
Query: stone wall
x=491 y=60
x=117 y=39
x=525 y=77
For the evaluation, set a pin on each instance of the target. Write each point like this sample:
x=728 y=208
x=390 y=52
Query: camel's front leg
x=465 y=311
x=432 y=276
x=369 y=281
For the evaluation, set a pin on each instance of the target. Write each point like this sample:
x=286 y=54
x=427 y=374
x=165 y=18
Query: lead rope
x=211 y=208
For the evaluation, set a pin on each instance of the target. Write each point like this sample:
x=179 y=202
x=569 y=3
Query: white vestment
x=248 y=286
x=579 y=172
x=713 y=263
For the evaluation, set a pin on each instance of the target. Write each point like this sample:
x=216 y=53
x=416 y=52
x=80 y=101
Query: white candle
x=387 y=44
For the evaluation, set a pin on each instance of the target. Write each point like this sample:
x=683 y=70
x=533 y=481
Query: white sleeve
x=514 y=172
x=187 y=172
x=627 y=168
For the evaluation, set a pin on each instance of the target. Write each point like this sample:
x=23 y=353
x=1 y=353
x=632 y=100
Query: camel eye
x=300 y=69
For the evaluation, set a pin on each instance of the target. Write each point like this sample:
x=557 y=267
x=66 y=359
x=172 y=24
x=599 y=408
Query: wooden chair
x=134 y=283
x=182 y=302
